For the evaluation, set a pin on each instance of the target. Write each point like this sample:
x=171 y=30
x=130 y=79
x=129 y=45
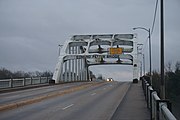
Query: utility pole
x=162 y=87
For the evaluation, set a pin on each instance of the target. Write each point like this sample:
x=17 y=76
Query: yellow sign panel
x=115 y=51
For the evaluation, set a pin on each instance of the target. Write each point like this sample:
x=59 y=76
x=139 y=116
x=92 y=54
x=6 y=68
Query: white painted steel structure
x=82 y=51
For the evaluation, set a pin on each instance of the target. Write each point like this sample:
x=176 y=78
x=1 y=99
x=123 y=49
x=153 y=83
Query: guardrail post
x=149 y=96
x=144 y=86
x=11 y=83
x=31 y=80
x=24 y=82
x=143 y=83
x=151 y=91
x=40 y=79
x=147 y=85
x=153 y=106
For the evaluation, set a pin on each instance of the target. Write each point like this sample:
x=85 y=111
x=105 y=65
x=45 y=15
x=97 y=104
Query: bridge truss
x=82 y=51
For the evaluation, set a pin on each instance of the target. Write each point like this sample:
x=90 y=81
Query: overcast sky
x=30 y=30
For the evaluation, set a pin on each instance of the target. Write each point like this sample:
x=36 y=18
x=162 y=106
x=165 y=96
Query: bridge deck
x=133 y=106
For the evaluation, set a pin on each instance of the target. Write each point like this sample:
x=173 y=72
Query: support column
x=81 y=74
x=70 y=71
x=73 y=65
x=65 y=72
x=76 y=64
x=85 y=69
x=61 y=74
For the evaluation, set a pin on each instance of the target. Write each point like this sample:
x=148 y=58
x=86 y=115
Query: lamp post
x=60 y=46
x=139 y=52
x=162 y=87
x=144 y=69
x=149 y=32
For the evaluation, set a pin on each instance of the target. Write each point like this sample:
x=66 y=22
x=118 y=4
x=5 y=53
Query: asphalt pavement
x=92 y=103
x=25 y=94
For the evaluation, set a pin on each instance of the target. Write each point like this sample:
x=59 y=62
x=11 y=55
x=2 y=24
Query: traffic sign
x=114 y=51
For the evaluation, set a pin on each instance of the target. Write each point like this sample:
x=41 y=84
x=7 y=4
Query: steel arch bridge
x=82 y=51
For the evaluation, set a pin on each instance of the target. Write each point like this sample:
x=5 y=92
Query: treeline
x=6 y=74
x=172 y=81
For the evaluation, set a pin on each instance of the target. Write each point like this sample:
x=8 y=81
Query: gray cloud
x=30 y=30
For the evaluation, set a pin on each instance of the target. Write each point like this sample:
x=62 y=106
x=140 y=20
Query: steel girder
x=82 y=51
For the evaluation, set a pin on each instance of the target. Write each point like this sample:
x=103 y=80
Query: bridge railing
x=20 y=82
x=160 y=109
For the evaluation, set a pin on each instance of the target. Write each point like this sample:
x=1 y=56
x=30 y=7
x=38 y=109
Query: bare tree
x=168 y=67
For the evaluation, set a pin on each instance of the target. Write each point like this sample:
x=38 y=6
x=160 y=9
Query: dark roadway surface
x=110 y=100
x=16 y=96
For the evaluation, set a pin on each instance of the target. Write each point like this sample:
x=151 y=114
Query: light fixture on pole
x=149 y=36
x=60 y=46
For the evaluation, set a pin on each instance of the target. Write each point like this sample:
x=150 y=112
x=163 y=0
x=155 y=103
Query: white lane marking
x=93 y=94
x=67 y=106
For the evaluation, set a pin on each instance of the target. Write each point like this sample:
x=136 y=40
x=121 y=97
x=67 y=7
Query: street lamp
x=144 y=69
x=149 y=31
x=139 y=52
x=60 y=46
x=162 y=87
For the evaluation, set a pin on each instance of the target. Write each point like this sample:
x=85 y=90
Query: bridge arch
x=82 y=51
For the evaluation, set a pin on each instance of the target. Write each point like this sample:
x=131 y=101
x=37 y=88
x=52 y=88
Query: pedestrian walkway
x=133 y=106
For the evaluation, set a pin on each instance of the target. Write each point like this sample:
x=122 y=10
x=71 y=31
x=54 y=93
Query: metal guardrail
x=20 y=82
x=160 y=109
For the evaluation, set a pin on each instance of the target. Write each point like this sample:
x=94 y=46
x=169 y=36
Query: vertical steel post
x=65 y=73
x=162 y=50
x=61 y=74
x=76 y=69
x=150 y=65
x=141 y=69
x=82 y=69
x=85 y=70
x=78 y=65
x=144 y=65
x=69 y=71
x=73 y=65
x=11 y=82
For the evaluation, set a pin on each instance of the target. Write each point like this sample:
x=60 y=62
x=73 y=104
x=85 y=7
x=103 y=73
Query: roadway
x=35 y=92
x=98 y=102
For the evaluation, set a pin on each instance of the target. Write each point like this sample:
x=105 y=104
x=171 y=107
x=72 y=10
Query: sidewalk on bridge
x=133 y=106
